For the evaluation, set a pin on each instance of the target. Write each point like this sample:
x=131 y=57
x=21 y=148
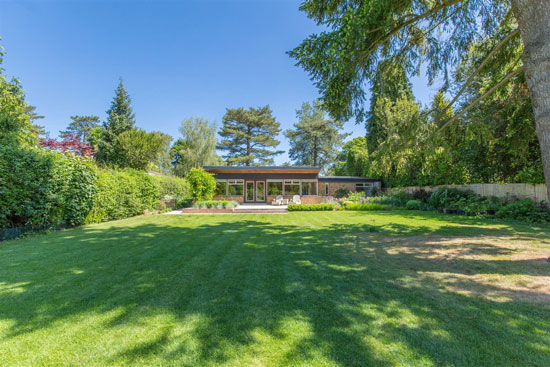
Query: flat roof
x=347 y=179
x=263 y=169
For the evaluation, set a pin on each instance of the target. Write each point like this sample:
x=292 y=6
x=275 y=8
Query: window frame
x=235 y=182
x=327 y=189
x=292 y=182
x=309 y=181
x=226 y=184
x=364 y=185
x=267 y=187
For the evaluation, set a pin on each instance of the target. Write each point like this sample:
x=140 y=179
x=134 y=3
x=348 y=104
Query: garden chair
x=278 y=200
x=296 y=199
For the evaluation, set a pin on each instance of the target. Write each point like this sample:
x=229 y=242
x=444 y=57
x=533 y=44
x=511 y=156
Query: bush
x=184 y=203
x=311 y=207
x=365 y=206
x=524 y=210
x=446 y=197
x=122 y=194
x=44 y=189
x=215 y=204
x=421 y=195
x=356 y=196
x=203 y=184
x=414 y=205
x=172 y=187
x=400 y=198
x=341 y=193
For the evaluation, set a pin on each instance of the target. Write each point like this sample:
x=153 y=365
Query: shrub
x=414 y=205
x=400 y=197
x=525 y=210
x=365 y=206
x=122 y=194
x=172 y=187
x=356 y=196
x=341 y=192
x=44 y=189
x=421 y=195
x=311 y=207
x=184 y=203
x=447 y=197
x=203 y=184
x=215 y=204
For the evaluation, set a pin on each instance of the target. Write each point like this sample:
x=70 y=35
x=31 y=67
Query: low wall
x=306 y=199
x=536 y=192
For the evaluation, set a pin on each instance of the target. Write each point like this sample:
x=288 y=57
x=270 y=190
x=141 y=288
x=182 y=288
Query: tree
x=353 y=160
x=315 y=140
x=163 y=161
x=390 y=81
x=16 y=115
x=362 y=34
x=203 y=184
x=70 y=143
x=80 y=127
x=247 y=136
x=138 y=148
x=120 y=118
x=197 y=146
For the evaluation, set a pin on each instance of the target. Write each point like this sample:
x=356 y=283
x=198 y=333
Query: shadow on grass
x=241 y=276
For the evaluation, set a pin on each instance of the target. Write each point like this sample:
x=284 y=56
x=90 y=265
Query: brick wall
x=239 y=198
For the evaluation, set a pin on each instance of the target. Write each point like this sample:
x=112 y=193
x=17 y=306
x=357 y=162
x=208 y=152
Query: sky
x=178 y=59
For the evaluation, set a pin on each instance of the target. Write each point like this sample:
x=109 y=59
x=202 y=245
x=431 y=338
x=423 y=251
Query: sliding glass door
x=260 y=191
x=249 y=191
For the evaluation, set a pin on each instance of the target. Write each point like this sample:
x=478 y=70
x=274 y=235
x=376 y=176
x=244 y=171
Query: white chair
x=296 y=199
x=278 y=200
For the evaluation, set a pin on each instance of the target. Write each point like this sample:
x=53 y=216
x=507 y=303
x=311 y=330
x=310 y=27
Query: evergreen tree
x=80 y=127
x=315 y=140
x=354 y=158
x=390 y=81
x=247 y=136
x=120 y=118
x=138 y=148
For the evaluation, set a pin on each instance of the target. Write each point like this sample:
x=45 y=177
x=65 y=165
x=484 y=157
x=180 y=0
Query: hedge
x=172 y=187
x=219 y=204
x=365 y=206
x=310 y=207
x=44 y=189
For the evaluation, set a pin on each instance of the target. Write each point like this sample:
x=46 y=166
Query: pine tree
x=314 y=140
x=80 y=127
x=120 y=118
x=247 y=136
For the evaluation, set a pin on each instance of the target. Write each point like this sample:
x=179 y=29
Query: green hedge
x=122 y=194
x=44 y=189
x=172 y=187
x=215 y=204
x=365 y=206
x=310 y=207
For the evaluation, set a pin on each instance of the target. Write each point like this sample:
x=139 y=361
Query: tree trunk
x=533 y=18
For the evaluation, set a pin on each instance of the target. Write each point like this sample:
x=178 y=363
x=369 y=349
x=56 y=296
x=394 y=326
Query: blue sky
x=177 y=58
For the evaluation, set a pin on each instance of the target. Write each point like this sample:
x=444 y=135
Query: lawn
x=301 y=289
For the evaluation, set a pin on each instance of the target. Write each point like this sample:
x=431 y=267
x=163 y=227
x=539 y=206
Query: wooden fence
x=536 y=192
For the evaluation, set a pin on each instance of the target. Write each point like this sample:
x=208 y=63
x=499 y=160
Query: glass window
x=235 y=187
x=309 y=188
x=221 y=187
x=274 y=188
x=362 y=187
x=292 y=187
x=326 y=189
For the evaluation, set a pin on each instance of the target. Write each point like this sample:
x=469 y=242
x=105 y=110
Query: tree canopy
x=314 y=140
x=249 y=136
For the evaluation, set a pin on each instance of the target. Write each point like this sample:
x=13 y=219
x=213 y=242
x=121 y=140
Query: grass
x=303 y=289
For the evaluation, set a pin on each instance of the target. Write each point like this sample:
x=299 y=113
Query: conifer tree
x=80 y=127
x=248 y=135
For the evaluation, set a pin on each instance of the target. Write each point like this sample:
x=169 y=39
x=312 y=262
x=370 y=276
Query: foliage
x=197 y=146
x=215 y=204
x=315 y=140
x=524 y=210
x=203 y=184
x=43 y=189
x=341 y=192
x=184 y=203
x=353 y=160
x=414 y=205
x=446 y=197
x=365 y=206
x=248 y=135
x=122 y=193
x=80 y=126
x=70 y=143
x=170 y=187
x=120 y=118
x=138 y=148
x=311 y=207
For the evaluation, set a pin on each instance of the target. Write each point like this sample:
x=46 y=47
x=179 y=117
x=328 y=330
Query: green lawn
x=302 y=289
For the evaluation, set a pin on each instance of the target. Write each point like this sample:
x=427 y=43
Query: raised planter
x=205 y=210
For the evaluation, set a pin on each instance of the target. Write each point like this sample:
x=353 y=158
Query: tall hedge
x=172 y=187
x=122 y=194
x=41 y=188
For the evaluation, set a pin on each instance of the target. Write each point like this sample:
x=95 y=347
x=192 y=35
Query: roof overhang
x=261 y=169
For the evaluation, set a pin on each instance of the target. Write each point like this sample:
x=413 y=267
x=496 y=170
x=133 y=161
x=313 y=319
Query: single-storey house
x=261 y=184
